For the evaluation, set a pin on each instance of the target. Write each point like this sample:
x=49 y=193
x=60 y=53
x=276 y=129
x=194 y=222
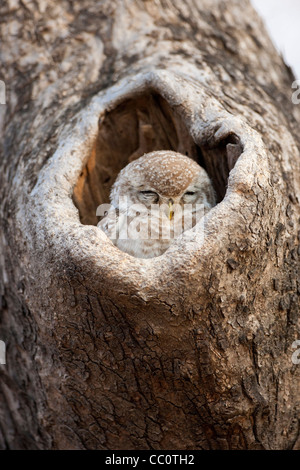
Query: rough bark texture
x=191 y=350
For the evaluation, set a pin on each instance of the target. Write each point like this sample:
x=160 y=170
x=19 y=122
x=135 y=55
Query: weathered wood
x=189 y=350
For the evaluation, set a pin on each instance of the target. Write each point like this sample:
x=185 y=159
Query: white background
x=282 y=18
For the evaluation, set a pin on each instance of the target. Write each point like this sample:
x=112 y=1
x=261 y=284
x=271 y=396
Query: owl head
x=162 y=178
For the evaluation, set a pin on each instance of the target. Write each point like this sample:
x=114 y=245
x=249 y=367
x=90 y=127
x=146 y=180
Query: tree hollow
x=139 y=125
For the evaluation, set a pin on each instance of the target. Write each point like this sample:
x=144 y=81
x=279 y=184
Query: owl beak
x=171 y=213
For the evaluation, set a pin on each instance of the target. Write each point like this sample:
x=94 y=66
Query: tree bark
x=190 y=350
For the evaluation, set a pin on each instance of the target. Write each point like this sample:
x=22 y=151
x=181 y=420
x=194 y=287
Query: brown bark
x=191 y=350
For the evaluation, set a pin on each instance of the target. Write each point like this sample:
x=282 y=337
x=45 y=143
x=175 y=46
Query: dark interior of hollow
x=137 y=126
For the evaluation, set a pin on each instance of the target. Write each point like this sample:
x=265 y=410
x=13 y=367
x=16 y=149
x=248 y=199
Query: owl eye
x=149 y=196
x=189 y=196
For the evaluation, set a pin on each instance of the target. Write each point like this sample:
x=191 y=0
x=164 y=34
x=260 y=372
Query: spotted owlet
x=154 y=200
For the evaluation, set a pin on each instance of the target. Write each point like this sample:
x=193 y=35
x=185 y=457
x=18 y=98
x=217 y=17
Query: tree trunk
x=190 y=350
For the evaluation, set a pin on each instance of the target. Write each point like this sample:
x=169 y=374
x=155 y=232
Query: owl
x=154 y=200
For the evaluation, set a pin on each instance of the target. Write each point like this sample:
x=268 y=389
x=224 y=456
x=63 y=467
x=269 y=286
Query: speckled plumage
x=167 y=179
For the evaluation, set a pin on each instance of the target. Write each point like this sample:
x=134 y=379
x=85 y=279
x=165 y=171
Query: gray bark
x=191 y=350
